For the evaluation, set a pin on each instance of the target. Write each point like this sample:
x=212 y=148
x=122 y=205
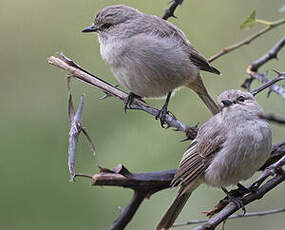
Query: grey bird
x=230 y=147
x=149 y=56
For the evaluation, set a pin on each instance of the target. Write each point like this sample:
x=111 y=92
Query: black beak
x=227 y=103
x=89 y=29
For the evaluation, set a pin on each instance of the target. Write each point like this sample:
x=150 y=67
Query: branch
x=273 y=118
x=249 y=214
x=246 y=41
x=212 y=223
x=252 y=71
x=74 y=132
x=128 y=212
x=170 y=11
x=146 y=184
x=93 y=80
x=271 y=54
x=143 y=184
x=269 y=83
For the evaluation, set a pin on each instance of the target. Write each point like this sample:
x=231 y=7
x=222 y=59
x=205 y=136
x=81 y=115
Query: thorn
x=197 y=125
x=269 y=92
x=277 y=72
x=186 y=139
x=106 y=95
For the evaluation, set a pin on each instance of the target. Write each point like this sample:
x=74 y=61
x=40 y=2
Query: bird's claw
x=162 y=116
x=236 y=200
x=129 y=100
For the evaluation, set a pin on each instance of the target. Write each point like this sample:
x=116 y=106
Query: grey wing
x=191 y=166
x=199 y=155
x=165 y=29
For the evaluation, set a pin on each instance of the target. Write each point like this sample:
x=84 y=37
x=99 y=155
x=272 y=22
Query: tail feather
x=209 y=102
x=214 y=70
x=199 y=87
x=173 y=211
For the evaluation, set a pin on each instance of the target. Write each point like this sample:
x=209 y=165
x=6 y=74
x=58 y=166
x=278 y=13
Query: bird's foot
x=129 y=100
x=162 y=115
x=245 y=189
x=236 y=200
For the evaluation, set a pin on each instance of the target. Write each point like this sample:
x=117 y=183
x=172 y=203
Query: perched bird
x=149 y=56
x=230 y=147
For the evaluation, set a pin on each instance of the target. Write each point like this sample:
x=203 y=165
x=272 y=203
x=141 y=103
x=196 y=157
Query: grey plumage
x=230 y=147
x=149 y=55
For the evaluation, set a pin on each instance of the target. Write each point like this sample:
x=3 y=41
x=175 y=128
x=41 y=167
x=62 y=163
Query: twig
x=74 y=132
x=83 y=175
x=76 y=128
x=143 y=184
x=106 y=87
x=268 y=84
x=170 y=11
x=213 y=222
x=263 y=78
x=151 y=182
x=249 y=214
x=128 y=212
x=252 y=71
x=271 y=54
x=247 y=40
x=273 y=118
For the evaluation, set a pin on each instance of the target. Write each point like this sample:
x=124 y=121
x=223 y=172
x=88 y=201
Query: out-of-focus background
x=35 y=192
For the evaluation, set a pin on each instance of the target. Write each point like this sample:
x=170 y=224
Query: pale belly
x=147 y=67
x=239 y=161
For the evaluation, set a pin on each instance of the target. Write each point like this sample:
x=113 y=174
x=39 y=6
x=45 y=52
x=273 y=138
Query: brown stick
x=247 y=40
x=111 y=90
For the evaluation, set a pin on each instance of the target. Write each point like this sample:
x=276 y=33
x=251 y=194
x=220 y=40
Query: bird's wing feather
x=198 y=156
x=166 y=29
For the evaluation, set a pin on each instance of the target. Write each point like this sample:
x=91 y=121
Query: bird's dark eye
x=241 y=98
x=106 y=26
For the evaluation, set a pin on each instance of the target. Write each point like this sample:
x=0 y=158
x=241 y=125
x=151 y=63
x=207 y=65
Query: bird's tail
x=199 y=87
x=173 y=211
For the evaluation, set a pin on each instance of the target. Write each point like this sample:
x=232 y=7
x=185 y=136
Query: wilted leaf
x=250 y=21
x=282 y=9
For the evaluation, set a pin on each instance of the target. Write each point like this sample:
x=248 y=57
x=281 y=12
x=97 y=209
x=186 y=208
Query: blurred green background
x=35 y=192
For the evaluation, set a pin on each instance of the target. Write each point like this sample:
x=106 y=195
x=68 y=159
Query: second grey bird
x=150 y=56
x=229 y=147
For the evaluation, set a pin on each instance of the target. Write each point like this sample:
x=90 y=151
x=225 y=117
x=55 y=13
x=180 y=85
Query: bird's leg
x=236 y=200
x=129 y=100
x=162 y=113
x=245 y=189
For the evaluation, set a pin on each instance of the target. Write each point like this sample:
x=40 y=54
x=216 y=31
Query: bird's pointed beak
x=227 y=103
x=89 y=29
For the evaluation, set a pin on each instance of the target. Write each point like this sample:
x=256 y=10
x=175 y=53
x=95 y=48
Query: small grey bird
x=149 y=56
x=229 y=147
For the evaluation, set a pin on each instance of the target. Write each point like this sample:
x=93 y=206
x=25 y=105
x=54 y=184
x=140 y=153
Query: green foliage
x=250 y=21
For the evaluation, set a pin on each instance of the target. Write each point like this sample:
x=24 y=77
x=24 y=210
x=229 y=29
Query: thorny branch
x=146 y=184
x=246 y=41
x=75 y=129
x=114 y=91
x=248 y=214
x=170 y=11
x=273 y=118
x=149 y=183
x=252 y=70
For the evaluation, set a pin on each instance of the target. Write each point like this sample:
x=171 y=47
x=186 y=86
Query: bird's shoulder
x=164 y=29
